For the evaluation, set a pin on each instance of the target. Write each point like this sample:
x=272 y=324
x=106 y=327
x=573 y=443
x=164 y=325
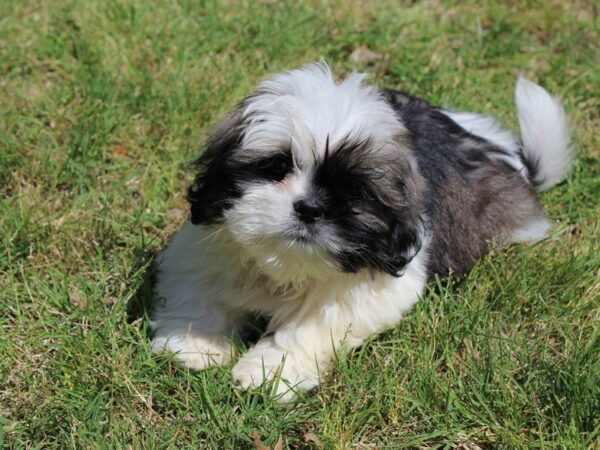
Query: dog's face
x=312 y=178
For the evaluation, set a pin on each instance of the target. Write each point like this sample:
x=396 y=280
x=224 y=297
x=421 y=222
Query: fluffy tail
x=545 y=133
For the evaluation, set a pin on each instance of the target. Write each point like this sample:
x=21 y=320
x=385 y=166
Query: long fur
x=327 y=206
x=546 y=134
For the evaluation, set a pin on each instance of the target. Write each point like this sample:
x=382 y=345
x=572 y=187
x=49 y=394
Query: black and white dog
x=327 y=206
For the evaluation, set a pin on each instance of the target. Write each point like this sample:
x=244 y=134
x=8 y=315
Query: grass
x=102 y=104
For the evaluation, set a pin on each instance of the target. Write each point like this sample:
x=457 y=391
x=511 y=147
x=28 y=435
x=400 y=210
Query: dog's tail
x=546 y=135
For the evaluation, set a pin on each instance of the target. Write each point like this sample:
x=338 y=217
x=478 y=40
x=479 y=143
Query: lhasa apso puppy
x=326 y=206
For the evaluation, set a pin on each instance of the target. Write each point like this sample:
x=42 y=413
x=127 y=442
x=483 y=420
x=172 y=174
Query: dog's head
x=310 y=177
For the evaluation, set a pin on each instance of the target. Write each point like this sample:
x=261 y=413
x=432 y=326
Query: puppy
x=327 y=206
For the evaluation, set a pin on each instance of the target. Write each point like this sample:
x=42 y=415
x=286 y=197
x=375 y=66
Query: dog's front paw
x=195 y=351
x=286 y=373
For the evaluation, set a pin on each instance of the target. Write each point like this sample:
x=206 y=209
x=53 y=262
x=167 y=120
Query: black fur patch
x=470 y=198
x=220 y=174
x=367 y=197
x=215 y=186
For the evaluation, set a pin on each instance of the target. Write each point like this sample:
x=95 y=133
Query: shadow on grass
x=145 y=298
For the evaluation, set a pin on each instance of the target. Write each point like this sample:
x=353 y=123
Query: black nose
x=307 y=211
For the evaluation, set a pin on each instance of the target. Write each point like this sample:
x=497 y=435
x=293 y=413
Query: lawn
x=102 y=106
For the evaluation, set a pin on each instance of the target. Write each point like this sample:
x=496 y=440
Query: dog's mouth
x=302 y=237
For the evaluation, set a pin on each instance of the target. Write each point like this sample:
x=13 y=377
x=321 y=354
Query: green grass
x=103 y=103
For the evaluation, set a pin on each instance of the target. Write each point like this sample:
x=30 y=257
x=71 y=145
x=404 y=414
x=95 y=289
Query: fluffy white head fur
x=307 y=111
x=306 y=107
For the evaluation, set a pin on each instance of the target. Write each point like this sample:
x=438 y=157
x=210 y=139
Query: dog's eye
x=275 y=167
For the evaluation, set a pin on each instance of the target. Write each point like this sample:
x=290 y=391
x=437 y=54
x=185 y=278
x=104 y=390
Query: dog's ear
x=407 y=232
x=405 y=244
x=214 y=187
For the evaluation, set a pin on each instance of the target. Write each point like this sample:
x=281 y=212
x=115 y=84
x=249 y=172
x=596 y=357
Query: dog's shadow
x=142 y=302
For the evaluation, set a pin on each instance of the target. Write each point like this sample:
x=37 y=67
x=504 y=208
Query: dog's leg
x=199 y=337
x=302 y=345
x=192 y=323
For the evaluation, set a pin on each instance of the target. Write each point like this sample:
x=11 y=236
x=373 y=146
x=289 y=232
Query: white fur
x=533 y=232
x=305 y=107
x=544 y=130
x=545 y=133
x=209 y=284
x=261 y=227
x=488 y=128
